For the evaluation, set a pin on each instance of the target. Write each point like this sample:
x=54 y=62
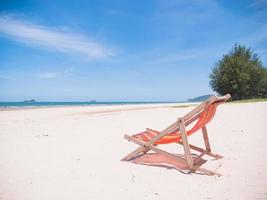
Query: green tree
x=240 y=73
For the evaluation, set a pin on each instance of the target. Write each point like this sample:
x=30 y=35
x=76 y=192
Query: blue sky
x=121 y=50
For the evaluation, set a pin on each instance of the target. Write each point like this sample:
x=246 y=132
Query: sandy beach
x=74 y=153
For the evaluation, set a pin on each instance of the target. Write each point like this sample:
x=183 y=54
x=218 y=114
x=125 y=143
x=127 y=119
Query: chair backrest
x=205 y=117
x=203 y=114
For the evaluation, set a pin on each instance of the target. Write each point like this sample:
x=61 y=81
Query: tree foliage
x=240 y=73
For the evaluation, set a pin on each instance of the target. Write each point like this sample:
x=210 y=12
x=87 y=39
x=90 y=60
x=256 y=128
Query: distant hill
x=200 y=98
x=29 y=101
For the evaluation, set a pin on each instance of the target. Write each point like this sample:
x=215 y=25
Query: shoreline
x=126 y=106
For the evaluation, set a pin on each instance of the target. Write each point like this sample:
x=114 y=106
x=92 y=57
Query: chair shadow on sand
x=159 y=160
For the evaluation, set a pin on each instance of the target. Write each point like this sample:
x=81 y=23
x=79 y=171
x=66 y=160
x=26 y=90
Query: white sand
x=74 y=153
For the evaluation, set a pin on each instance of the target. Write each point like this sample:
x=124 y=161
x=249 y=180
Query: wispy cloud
x=116 y=12
x=47 y=75
x=211 y=52
x=189 y=13
x=6 y=77
x=69 y=70
x=261 y=4
x=52 y=38
x=259 y=36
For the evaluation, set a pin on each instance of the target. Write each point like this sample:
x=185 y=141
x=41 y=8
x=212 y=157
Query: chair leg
x=143 y=149
x=206 y=138
x=134 y=153
x=185 y=143
x=217 y=156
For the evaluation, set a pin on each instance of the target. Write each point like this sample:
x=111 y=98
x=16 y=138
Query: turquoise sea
x=49 y=104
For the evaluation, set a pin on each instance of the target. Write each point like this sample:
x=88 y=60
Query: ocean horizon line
x=77 y=103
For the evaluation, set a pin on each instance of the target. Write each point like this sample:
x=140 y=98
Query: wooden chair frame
x=180 y=126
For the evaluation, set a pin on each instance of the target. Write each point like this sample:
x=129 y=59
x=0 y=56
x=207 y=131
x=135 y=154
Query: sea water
x=50 y=104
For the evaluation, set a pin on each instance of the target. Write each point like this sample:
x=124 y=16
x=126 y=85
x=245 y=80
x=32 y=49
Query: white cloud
x=69 y=70
x=116 y=12
x=47 y=75
x=6 y=77
x=214 y=51
x=189 y=12
x=55 y=74
x=52 y=38
x=181 y=56
x=259 y=36
x=259 y=4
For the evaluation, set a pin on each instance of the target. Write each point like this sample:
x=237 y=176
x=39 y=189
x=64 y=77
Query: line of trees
x=240 y=73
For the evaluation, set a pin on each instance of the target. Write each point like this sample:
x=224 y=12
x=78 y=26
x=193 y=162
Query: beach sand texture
x=74 y=153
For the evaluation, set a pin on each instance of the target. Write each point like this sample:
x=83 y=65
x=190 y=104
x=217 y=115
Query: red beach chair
x=177 y=133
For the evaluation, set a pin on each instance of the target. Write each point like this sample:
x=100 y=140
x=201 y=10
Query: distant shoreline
x=40 y=105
